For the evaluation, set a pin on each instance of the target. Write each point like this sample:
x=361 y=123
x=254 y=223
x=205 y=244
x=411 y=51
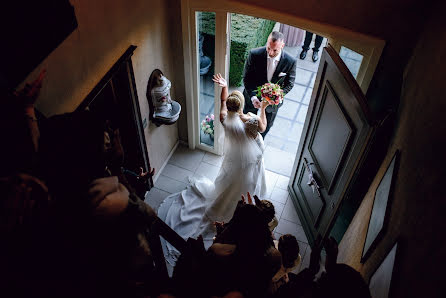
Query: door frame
x=370 y=47
x=191 y=72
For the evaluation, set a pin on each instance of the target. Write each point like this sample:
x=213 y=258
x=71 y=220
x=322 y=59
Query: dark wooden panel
x=331 y=138
x=335 y=135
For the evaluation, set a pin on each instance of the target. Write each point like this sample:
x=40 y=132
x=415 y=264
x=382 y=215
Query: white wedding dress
x=192 y=212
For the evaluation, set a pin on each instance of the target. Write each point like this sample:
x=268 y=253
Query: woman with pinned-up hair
x=193 y=211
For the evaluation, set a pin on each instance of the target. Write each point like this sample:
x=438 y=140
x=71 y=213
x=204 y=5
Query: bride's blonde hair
x=235 y=102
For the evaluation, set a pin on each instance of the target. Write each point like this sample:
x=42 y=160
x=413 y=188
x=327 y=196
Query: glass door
x=209 y=53
x=206 y=65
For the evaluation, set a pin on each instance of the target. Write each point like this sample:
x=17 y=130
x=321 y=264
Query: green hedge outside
x=246 y=33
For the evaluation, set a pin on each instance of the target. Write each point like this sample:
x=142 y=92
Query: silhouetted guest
x=28 y=242
x=268 y=209
x=339 y=280
x=249 y=262
x=19 y=129
x=289 y=250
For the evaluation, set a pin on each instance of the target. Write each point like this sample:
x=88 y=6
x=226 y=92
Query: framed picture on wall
x=381 y=208
x=381 y=280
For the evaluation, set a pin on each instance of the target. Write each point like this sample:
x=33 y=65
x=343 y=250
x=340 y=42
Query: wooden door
x=335 y=135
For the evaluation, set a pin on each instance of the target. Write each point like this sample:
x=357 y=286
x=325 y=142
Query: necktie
x=270 y=69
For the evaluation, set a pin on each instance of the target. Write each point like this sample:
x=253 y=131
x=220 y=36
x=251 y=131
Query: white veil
x=240 y=149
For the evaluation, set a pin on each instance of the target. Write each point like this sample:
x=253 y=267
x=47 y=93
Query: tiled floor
x=186 y=163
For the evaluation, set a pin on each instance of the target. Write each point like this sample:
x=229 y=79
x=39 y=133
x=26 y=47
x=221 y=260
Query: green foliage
x=246 y=33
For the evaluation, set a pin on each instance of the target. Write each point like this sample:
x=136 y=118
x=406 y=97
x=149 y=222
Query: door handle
x=311 y=179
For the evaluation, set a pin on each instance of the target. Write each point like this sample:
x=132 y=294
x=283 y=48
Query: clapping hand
x=220 y=80
x=145 y=175
x=249 y=201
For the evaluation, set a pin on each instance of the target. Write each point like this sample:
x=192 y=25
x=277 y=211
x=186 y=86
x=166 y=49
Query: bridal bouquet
x=270 y=92
x=207 y=125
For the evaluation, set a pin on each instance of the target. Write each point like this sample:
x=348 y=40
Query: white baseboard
x=158 y=171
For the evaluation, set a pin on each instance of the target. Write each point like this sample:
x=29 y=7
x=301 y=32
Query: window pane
x=351 y=59
x=206 y=59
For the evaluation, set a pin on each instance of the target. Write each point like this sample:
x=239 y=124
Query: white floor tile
x=289 y=109
x=278 y=207
x=271 y=178
x=313 y=80
x=213 y=159
x=278 y=161
x=281 y=127
x=273 y=141
x=155 y=197
x=296 y=94
x=279 y=195
x=291 y=147
x=177 y=173
x=303 y=76
x=289 y=212
x=307 y=97
x=282 y=182
x=207 y=170
x=296 y=131
x=170 y=185
x=187 y=158
x=288 y=227
x=302 y=114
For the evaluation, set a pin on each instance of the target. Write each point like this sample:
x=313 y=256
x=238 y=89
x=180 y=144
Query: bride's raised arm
x=262 y=118
x=223 y=96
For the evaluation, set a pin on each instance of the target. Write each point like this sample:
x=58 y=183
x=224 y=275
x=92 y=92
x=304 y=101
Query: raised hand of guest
x=218 y=79
x=30 y=92
x=219 y=226
x=144 y=176
x=247 y=201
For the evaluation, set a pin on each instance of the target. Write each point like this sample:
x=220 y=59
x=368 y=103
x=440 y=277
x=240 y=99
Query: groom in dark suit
x=268 y=64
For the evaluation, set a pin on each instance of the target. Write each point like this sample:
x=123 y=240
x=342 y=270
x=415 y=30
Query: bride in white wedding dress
x=193 y=211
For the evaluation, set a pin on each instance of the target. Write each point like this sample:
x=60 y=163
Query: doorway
x=246 y=33
x=359 y=52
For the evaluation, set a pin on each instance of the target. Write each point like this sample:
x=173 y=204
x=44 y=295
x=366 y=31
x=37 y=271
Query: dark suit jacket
x=255 y=74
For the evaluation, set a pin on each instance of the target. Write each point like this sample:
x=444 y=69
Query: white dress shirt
x=271 y=65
